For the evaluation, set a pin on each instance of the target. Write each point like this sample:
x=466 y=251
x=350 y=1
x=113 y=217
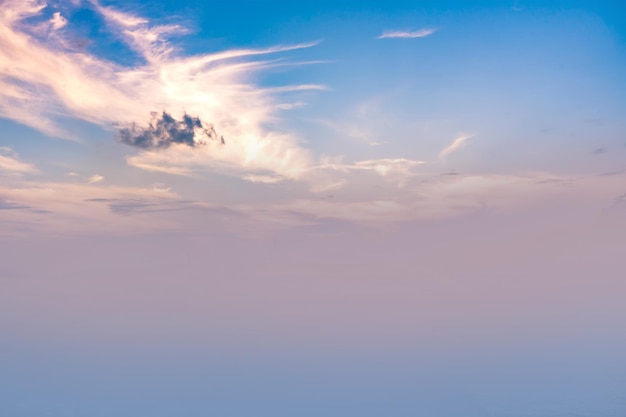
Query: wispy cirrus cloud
x=167 y=105
x=11 y=165
x=44 y=78
x=457 y=144
x=173 y=109
x=94 y=179
x=406 y=34
x=78 y=208
x=397 y=170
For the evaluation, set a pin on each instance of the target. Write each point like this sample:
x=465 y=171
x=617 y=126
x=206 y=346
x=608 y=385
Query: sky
x=329 y=208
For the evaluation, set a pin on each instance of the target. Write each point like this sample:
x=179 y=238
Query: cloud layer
x=96 y=206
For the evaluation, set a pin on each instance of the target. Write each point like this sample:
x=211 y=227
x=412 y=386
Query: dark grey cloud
x=164 y=130
x=5 y=205
x=621 y=199
x=134 y=206
x=600 y=151
x=612 y=173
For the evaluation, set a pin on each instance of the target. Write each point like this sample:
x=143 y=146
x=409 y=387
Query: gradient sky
x=329 y=208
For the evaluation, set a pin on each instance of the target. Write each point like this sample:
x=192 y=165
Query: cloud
x=263 y=179
x=457 y=144
x=10 y=164
x=435 y=196
x=273 y=154
x=388 y=166
x=383 y=166
x=57 y=207
x=396 y=170
x=367 y=121
x=95 y=179
x=621 y=199
x=599 y=151
x=44 y=80
x=399 y=34
x=78 y=208
x=5 y=205
x=58 y=21
x=163 y=130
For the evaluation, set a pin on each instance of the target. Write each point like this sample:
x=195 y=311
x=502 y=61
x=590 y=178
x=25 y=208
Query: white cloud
x=41 y=79
x=263 y=179
x=457 y=144
x=58 y=21
x=337 y=164
x=49 y=79
x=56 y=207
x=388 y=167
x=439 y=197
x=400 y=34
x=95 y=179
x=10 y=164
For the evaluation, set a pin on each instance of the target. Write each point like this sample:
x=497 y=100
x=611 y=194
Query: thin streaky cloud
x=403 y=34
x=454 y=146
x=10 y=164
x=95 y=179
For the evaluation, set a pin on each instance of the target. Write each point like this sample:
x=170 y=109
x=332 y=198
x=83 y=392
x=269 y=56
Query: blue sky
x=329 y=208
x=539 y=88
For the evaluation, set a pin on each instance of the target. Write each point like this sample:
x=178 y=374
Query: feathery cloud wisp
x=454 y=146
x=403 y=34
x=10 y=164
x=43 y=78
x=95 y=179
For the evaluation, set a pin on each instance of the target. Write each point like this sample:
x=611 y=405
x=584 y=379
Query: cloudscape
x=331 y=208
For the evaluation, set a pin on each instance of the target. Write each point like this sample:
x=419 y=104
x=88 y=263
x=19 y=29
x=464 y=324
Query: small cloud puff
x=58 y=21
